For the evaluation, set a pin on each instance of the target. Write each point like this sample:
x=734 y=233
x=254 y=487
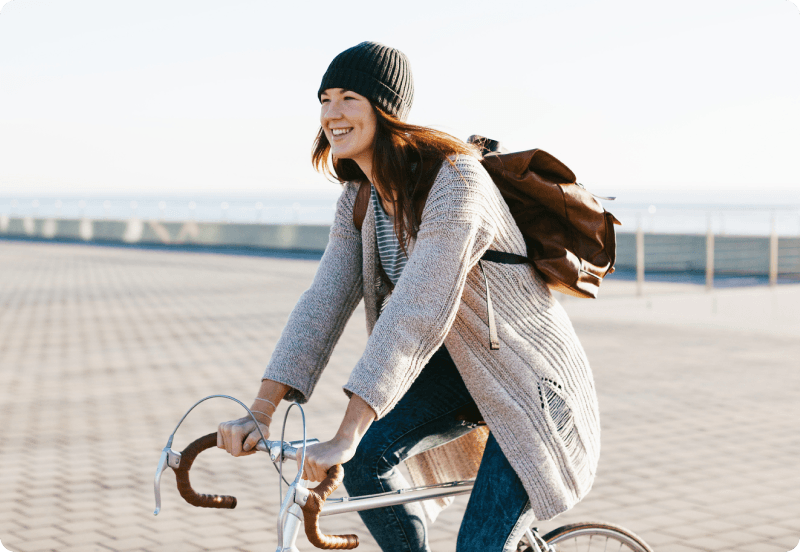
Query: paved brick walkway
x=102 y=350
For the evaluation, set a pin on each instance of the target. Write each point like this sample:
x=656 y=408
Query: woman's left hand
x=323 y=456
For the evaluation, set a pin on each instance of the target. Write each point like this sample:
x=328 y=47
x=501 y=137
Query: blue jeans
x=498 y=511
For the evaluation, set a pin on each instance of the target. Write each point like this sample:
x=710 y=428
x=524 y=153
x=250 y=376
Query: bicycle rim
x=595 y=537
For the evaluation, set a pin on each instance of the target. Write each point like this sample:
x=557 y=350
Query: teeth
x=340 y=131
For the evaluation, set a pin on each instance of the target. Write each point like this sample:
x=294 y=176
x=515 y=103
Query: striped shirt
x=391 y=254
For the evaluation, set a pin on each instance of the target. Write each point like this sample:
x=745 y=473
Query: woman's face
x=349 y=123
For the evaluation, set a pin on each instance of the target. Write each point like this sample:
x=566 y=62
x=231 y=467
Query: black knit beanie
x=377 y=72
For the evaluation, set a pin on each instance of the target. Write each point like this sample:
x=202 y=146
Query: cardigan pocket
x=560 y=414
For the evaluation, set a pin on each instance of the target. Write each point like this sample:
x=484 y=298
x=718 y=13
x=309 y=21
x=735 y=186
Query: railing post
x=710 y=255
x=640 y=258
x=773 y=252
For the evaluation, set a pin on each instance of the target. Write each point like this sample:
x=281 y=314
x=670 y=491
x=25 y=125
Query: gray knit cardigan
x=536 y=392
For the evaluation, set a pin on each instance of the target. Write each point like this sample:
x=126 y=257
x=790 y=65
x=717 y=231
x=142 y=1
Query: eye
x=324 y=100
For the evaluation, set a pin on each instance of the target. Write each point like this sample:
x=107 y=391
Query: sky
x=188 y=97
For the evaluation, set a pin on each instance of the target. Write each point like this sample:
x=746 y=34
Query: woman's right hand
x=239 y=437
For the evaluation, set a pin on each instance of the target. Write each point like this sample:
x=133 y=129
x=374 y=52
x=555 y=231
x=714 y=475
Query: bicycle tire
x=594 y=536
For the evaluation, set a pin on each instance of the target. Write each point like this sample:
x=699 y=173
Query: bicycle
x=303 y=505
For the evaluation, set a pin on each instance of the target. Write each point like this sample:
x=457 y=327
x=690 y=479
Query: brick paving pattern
x=103 y=349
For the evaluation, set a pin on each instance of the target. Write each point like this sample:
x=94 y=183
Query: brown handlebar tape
x=316 y=498
x=182 y=476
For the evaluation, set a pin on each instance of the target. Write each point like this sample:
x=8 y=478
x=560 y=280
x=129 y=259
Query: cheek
x=365 y=139
x=371 y=128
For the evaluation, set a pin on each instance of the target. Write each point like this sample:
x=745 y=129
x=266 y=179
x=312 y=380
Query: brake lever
x=169 y=458
x=162 y=465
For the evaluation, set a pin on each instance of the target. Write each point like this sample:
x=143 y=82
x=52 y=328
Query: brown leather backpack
x=569 y=235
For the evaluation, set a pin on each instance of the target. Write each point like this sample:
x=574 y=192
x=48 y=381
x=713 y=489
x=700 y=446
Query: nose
x=330 y=111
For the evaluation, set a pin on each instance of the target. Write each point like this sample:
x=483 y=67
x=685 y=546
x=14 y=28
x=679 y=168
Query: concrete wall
x=745 y=255
x=135 y=231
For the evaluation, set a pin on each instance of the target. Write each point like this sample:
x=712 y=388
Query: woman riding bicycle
x=431 y=214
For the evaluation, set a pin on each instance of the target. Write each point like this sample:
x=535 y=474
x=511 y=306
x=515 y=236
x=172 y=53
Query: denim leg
x=424 y=418
x=498 y=511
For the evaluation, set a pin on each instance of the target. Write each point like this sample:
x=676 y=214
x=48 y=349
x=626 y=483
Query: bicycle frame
x=290 y=516
x=394 y=498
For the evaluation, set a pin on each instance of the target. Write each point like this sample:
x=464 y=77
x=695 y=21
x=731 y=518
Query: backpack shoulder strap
x=360 y=206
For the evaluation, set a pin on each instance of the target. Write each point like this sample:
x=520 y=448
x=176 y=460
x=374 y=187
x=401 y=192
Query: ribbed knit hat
x=377 y=72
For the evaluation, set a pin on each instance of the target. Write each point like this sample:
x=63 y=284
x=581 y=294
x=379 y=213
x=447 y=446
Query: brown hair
x=406 y=159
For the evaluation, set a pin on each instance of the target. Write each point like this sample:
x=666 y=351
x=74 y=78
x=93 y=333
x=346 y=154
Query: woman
x=433 y=212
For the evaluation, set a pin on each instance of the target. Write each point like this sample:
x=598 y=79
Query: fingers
x=233 y=439
x=222 y=432
x=249 y=445
x=316 y=472
x=316 y=465
x=310 y=472
x=306 y=468
x=232 y=435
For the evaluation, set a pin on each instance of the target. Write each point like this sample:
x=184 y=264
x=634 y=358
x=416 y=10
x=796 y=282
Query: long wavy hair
x=405 y=160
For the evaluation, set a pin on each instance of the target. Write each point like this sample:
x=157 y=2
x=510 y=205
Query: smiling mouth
x=340 y=131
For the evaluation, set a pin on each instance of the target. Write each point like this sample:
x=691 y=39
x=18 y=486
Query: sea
x=732 y=213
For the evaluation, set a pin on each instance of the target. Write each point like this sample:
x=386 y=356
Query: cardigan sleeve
x=320 y=315
x=454 y=232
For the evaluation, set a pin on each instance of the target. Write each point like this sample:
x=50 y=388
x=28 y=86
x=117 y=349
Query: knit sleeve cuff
x=380 y=400
x=302 y=385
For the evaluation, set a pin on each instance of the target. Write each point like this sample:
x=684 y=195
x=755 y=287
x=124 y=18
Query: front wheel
x=592 y=537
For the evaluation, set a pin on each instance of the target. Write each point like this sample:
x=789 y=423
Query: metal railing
x=765 y=243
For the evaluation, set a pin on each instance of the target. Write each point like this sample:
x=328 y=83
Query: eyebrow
x=343 y=91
